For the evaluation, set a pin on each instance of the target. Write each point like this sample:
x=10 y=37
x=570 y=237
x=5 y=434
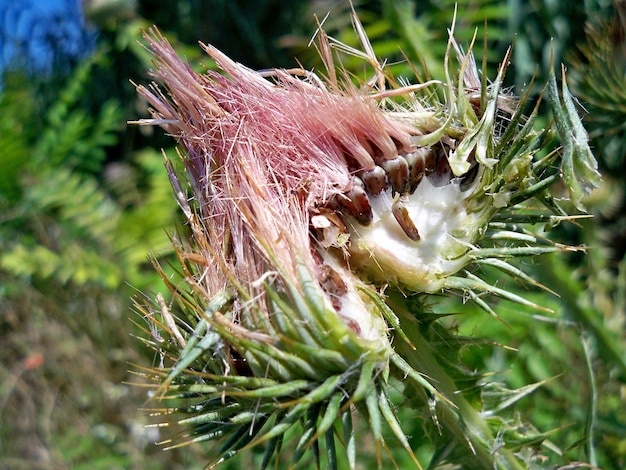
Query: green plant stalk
x=421 y=358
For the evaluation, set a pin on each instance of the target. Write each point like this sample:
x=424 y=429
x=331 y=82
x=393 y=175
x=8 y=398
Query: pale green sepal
x=284 y=389
x=319 y=394
x=579 y=167
x=282 y=425
x=375 y=421
x=213 y=416
x=503 y=398
x=427 y=140
x=515 y=251
x=474 y=283
x=308 y=432
x=394 y=425
x=333 y=410
x=201 y=340
x=515 y=272
x=481 y=137
x=483 y=305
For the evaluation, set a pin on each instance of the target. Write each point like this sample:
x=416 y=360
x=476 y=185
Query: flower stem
x=455 y=414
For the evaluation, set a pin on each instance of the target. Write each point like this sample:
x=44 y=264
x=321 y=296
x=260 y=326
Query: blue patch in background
x=43 y=36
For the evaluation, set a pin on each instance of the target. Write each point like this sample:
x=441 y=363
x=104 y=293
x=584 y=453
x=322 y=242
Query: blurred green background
x=84 y=202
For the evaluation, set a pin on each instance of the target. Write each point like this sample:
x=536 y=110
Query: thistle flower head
x=305 y=197
x=258 y=170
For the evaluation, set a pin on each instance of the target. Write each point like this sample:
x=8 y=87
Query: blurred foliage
x=84 y=199
x=62 y=269
x=76 y=227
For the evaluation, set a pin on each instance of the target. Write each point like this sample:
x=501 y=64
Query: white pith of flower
x=384 y=251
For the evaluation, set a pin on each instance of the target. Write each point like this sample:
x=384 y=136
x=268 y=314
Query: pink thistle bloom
x=263 y=158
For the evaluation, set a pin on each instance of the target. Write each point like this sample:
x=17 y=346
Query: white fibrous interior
x=385 y=252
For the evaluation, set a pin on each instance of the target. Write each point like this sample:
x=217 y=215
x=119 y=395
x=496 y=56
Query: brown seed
x=443 y=167
x=403 y=218
x=417 y=163
x=430 y=161
x=356 y=203
x=375 y=180
x=397 y=173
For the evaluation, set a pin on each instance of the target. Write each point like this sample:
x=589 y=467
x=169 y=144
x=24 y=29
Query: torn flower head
x=307 y=196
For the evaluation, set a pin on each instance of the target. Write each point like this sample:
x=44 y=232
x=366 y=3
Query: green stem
x=461 y=419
